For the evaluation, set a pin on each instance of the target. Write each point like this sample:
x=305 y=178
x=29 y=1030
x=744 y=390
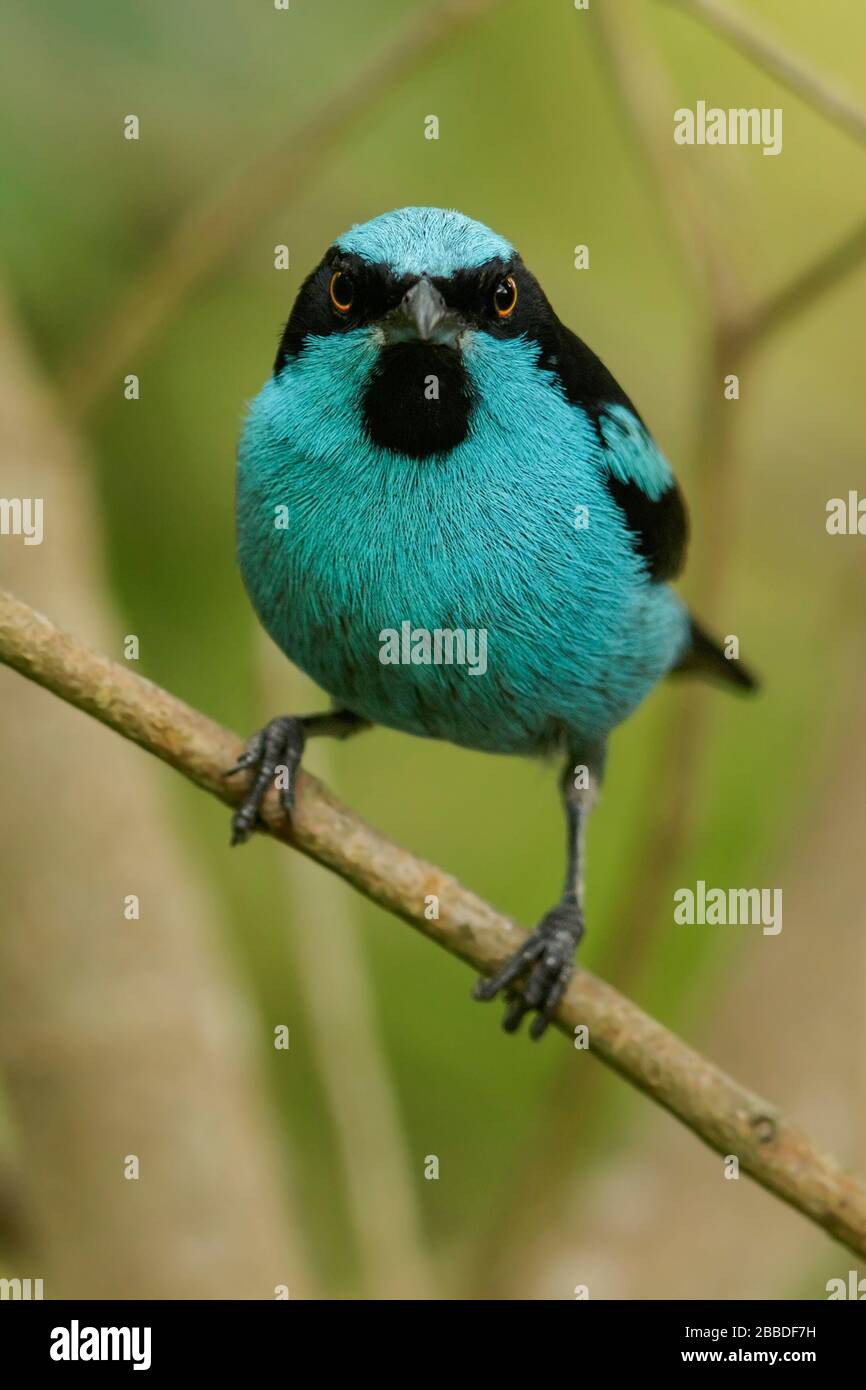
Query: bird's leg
x=276 y=750
x=548 y=953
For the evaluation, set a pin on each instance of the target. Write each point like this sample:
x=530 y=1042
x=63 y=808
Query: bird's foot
x=275 y=749
x=548 y=955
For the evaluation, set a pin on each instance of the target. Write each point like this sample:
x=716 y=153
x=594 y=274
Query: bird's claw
x=278 y=745
x=548 y=955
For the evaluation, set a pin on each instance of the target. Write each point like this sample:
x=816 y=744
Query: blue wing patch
x=634 y=456
x=643 y=484
x=639 y=477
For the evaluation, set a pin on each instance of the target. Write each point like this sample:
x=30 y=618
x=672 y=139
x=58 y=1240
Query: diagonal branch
x=727 y=1117
x=740 y=324
x=824 y=95
x=642 y=88
x=824 y=273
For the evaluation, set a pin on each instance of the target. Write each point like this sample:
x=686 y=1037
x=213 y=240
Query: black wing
x=639 y=477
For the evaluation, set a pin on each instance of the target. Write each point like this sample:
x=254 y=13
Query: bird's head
x=417 y=286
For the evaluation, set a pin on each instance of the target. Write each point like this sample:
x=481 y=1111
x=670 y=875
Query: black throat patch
x=418 y=400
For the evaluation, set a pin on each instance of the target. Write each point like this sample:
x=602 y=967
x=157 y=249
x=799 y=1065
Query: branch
x=641 y=85
x=805 y=289
x=740 y=325
x=827 y=97
x=727 y=1117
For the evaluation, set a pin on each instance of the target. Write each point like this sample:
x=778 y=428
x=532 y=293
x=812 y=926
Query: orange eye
x=505 y=297
x=342 y=291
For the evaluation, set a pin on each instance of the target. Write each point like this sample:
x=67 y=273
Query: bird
x=451 y=516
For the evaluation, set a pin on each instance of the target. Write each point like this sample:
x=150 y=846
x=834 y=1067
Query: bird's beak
x=423 y=316
x=425 y=307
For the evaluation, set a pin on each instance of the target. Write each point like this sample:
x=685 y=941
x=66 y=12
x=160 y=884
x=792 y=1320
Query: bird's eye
x=342 y=291
x=505 y=297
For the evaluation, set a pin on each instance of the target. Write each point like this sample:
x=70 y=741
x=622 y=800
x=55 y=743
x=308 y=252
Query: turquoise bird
x=454 y=520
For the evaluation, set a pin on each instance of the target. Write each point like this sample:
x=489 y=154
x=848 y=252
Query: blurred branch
x=826 y=97
x=217 y=223
x=641 y=86
x=738 y=325
x=116 y=1036
x=727 y=1117
x=339 y=998
x=767 y=317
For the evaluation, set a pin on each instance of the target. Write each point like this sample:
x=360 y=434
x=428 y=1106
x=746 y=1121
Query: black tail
x=706 y=658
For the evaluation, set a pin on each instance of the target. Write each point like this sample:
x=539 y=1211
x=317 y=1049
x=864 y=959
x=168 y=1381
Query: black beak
x=424 y=306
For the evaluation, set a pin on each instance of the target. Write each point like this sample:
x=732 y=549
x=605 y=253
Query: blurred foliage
x=532 y=142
